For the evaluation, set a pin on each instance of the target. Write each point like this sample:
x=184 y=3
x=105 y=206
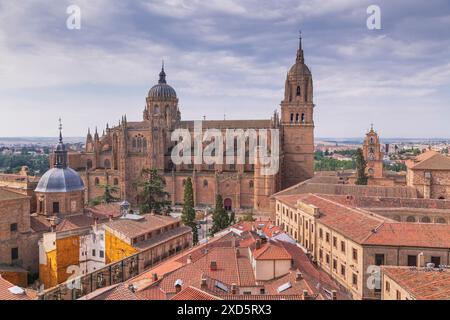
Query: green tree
x=188 y=214
x=232 y=218
x=220 y=216
x=153 y=197
x=107 y=196
x=361 y=178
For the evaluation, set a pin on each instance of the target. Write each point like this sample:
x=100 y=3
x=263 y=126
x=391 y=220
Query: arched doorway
x=228 y=204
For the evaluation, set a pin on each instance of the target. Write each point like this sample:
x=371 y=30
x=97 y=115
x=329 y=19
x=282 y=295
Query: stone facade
x=18 y=244
x=350 y=243
x=118 y=156
x=429 y=173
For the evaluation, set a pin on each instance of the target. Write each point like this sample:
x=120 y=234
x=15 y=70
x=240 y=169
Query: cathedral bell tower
x=297 y=123
x=373 y=155
x=163 y=116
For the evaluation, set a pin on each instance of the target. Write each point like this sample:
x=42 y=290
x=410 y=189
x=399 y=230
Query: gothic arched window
x=97 y=181
x=251 y=184
x=144 y=144
x=303 y=118
x=116 y=181
x=297 y=117
x=292 y=117
x=107 y=164
x=298 y=91
x=205 y=183
x=89 y=164
x=133 y=143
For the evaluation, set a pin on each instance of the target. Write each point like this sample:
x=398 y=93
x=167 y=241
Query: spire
x=300 y=40
x=162 y=74
x=96 y=137
x=60 y=131
x=89 y=136
x=60 y=153
x=300 y=57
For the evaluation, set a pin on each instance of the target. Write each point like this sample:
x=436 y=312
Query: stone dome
x=299 y=69
x=60 y=180
x=162 y=91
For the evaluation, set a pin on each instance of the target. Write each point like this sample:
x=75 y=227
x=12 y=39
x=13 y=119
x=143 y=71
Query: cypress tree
x=188 y=214
x=220 y=216
x=361 y=178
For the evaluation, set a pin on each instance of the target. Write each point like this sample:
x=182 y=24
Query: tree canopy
x=152 y=196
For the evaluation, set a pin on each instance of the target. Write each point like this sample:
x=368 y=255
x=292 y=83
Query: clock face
x=371 y=156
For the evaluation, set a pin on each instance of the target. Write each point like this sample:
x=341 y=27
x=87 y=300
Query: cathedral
x=118 y=156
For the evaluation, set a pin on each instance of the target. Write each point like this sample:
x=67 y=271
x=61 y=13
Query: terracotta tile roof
x=120 y=292
x=134 y=228
x=5 y=294
x=423 y=284
x=267 y=227
x=430 y=160
x=106 y=210
x=353 y=223
x=178 y=261
x=75 y=222
x=271 y=251
x=411 y=235
x=192 y=293
x=40 y=224
x=227 y=270
x=267 y=297
x=153 y=293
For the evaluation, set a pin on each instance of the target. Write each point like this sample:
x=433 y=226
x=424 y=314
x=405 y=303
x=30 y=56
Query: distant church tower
x=373 y=154
x=297 y=124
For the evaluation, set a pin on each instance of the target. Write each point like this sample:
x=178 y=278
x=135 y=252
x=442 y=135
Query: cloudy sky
x=225 y=57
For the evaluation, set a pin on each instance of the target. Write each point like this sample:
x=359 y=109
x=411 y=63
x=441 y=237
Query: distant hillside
x=38 y=140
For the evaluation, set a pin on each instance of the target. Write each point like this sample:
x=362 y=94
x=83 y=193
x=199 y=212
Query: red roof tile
x=423 y=284
x=270 y=251
x=5 y=294
x=411 y=235
x=192 y=293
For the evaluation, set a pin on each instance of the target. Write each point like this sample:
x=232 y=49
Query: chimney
x=203 y=284
x=213 y=266
x=189 y=259
x=298 y=276
x=258 y=244
x=233 y=288
x=420 y=260
x=333 y=295
x=305 y=294
x=154 y=277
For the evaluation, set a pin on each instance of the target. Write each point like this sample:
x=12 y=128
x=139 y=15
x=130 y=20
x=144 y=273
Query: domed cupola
x=162 y=91
x=60 y=189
